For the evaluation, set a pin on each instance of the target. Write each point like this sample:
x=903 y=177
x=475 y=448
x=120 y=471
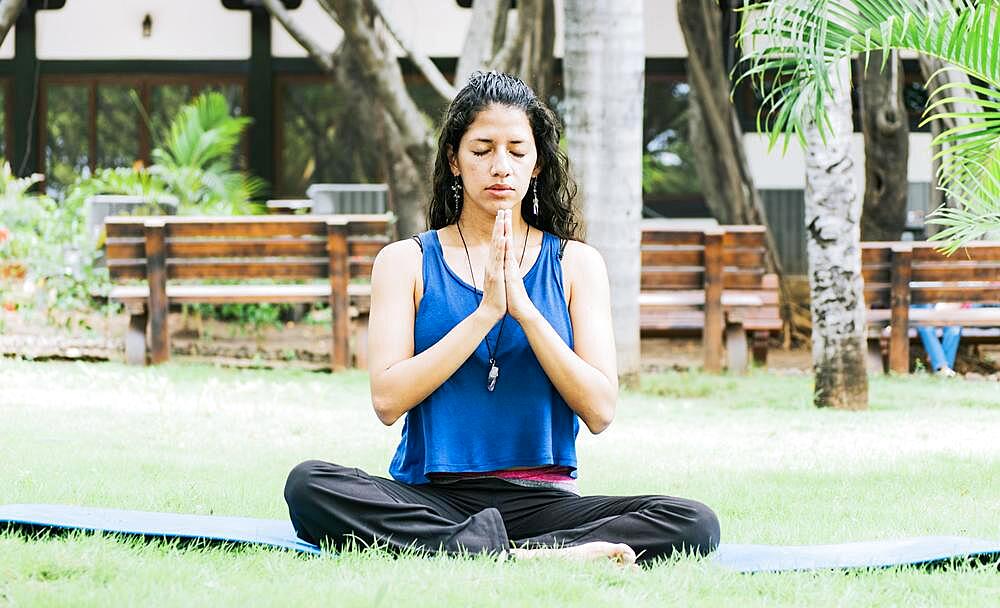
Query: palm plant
x=195 y=158
x=790 y=46
x=193 y=162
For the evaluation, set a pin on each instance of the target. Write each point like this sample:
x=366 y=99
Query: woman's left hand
x=519 y=305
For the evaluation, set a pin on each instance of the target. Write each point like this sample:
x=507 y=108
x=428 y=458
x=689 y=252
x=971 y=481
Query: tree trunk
x=538 y=56
x=833 y=210
x=886 y=128
x=716 y=136
x=480 y=42
x=603 y=70
x=10 y=10
x=403 y=133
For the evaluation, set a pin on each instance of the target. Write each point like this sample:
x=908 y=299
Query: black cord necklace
x=491 y=378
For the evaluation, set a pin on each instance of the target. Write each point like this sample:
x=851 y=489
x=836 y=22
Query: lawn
x=924 y=460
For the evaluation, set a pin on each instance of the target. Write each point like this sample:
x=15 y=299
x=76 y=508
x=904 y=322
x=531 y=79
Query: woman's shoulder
x=402 y=257
x=581 y=255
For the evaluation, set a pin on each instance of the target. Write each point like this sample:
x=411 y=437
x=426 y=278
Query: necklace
x=491 y=377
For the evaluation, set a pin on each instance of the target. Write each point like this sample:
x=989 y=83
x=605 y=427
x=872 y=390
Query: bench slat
x=973 y=251
x=660 y=255
x=208 y=228
x=652 y=236
x=125 y=248
x=696 y=297
x=276 y=268
x=957 y=270
x=980 y=317
x=983 y=292
x=222 y=294
x=246 y=248
x=666 y=277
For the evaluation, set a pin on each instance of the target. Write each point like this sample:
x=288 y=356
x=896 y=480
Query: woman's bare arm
x=587 y=375
x=400 y=380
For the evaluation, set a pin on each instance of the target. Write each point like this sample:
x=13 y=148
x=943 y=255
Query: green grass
x=924 y=460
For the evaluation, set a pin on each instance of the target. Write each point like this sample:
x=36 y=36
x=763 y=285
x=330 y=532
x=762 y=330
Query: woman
x=492 y=333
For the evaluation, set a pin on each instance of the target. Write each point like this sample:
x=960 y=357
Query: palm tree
x=603 y=69
x=791 y=45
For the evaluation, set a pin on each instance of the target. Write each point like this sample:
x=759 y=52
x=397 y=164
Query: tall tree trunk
x=538 y=61
x=833 y=210
x=716 y=136
x=10 y=10
x=886 y=128
x=603 y=70
x=479 y=46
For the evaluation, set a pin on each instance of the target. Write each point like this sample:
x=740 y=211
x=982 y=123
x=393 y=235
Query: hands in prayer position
x=503 y=289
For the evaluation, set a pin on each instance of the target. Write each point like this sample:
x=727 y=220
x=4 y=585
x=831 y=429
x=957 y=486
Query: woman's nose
x=501 y=165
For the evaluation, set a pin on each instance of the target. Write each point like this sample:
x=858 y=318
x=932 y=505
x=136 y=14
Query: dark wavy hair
x=556 y=189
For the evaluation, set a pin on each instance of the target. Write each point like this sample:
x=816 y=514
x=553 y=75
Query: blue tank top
x=462 y=427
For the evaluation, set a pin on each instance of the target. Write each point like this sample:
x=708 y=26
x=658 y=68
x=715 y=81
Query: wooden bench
x=288 y=206
x=712 y=282
x=169 y=260
x=900 y=274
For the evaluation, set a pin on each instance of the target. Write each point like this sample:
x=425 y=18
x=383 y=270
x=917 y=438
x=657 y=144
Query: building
x=92 y=83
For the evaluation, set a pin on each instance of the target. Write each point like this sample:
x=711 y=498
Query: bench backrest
x=249 y=247
x=971 y=274
x=678 y=259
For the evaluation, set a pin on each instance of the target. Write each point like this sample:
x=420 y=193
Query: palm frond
x=795 y=42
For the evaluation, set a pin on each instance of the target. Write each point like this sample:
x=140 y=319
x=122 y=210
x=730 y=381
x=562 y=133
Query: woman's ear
x=536 y=170
x=453 y=162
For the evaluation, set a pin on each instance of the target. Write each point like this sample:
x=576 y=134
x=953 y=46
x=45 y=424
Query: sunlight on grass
x=924 y=460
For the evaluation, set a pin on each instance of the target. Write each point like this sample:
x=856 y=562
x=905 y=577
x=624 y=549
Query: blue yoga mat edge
x=746 y=558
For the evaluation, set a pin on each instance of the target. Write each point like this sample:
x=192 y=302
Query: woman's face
x=496 y=158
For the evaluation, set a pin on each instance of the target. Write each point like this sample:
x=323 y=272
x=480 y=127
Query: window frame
x=144 y=84
x=6 y=83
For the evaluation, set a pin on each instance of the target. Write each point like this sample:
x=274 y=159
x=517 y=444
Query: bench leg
x=359 y=339
x=736 y=348
x=883 y=344
x=875 y=363
x=135 y=336
x=760 y=345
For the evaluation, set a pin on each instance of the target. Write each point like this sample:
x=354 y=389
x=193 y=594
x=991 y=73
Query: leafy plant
x=193 y=164
x=48 y=257
x=791 y=45
x=196 y=158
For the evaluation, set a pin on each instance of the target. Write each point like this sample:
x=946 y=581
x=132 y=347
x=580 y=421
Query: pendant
x=491 y=379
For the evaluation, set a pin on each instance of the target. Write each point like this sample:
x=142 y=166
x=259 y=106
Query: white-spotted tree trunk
x=603 y=68
x=832 y=215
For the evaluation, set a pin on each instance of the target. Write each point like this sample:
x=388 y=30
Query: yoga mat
x=242 y=530
x=279 y=533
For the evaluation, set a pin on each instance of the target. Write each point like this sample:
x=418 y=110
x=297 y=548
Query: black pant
x=330 y=503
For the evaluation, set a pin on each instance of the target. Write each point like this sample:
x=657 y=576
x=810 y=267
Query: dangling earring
x=456 y=189
x=534 y=192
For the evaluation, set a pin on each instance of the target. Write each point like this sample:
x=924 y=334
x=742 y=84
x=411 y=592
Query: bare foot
x=620 y=553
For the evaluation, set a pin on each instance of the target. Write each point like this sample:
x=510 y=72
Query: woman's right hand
x=494 y=302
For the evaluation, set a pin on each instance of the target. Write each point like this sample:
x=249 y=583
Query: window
x=92 y=122
x=669 y=179
x=67 y=148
